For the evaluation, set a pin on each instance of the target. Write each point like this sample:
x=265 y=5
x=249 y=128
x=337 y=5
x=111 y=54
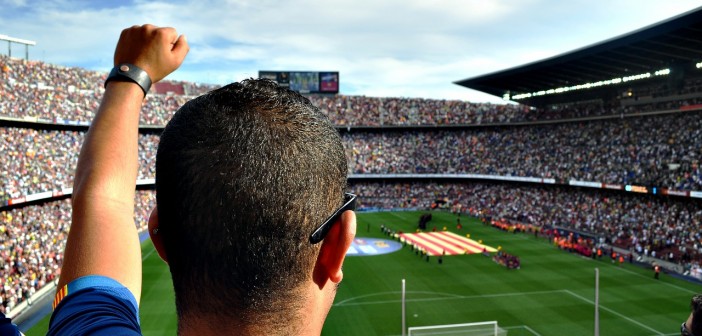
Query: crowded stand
x=61 y=106
x=40 y=90
x=40 y=160
x=651 y=226
x=660 y=151
x=32 y=89
x=374 y=111
x=32 y=241
x=44 y=74
x=622 y=151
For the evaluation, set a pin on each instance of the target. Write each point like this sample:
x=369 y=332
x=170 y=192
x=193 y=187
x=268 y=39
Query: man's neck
x=204 y=328
x=285 y=325
x=307 y=320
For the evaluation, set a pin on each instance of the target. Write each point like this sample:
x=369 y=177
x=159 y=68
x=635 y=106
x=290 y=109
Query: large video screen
x=329 y=82
x=305 y=81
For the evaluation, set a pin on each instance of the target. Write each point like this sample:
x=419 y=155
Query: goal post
x=487 y=328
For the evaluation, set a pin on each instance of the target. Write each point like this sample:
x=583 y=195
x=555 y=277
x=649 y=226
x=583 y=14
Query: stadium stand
x=41 y=160
x=621 y=151
x=645 y=134
x=632 y=150
x=33 y=238
x=49 y=97
x=640 y=223
x=646 y=156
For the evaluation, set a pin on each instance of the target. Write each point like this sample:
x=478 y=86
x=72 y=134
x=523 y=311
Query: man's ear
x=155 y=236
x=333 y=250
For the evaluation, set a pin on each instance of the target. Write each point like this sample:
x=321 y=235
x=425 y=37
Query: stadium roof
x=674 y=42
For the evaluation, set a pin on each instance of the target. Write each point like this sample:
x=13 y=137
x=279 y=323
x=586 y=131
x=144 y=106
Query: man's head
x=694 y=322
x=244 y=174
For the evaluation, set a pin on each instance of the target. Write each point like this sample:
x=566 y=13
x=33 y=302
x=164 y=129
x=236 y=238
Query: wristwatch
x=126 y=72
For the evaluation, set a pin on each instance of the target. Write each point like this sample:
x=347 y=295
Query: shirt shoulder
x=7 y=328
x=94 y=305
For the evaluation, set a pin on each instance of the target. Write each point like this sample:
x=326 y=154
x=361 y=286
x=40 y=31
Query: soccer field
x=552 y=294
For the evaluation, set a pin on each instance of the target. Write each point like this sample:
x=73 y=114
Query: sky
x=381 y=48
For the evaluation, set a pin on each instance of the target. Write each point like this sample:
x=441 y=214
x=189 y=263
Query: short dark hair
x=696 y=307
x=243 y=176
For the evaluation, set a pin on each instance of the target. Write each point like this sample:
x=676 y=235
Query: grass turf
x=552 y=293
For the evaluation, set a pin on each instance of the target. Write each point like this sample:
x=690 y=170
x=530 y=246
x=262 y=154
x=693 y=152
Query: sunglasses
x=684 y=331
x=321 y=231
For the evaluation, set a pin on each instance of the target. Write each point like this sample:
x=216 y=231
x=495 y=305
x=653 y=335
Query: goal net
x=489 y=328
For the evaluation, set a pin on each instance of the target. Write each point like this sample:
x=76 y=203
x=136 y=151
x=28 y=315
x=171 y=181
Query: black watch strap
x=126 y=72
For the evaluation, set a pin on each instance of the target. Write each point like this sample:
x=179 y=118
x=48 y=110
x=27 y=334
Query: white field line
x=343 y=302
x=148 y=254
x=455 y=297
x=516 y=327
x=446 y=296
x=657 y=281
x=656 y=332
x=531 y=330
x=640 y=275
x=522 y=327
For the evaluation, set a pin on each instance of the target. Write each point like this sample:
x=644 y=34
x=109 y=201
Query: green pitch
x=552 y=294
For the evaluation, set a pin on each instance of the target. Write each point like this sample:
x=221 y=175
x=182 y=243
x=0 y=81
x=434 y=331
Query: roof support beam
x=651 y=51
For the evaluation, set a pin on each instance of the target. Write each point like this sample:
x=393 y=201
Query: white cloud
x=14 y=3
x=391 y=47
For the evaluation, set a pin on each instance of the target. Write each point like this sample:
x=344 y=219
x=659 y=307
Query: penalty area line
x=522 y=327
x=616 y=313
x=454 y=297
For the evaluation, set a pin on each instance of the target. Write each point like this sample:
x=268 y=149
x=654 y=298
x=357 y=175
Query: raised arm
x=103 y=239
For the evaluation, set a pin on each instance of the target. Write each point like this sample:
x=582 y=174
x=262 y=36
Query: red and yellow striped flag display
x=436 y=243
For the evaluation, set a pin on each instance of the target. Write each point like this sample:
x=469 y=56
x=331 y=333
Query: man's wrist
x=126 y=72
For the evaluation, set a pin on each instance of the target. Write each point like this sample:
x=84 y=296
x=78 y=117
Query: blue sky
x=405 y=48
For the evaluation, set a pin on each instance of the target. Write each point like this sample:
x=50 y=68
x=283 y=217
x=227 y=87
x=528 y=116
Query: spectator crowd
x=657 y=151
x=667 y=228
x=32 y=89
x=42 y=160
x=633 y=151
x=661 y=151
x=32 y=239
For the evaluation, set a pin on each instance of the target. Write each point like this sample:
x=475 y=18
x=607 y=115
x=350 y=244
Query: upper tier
x=56 y=94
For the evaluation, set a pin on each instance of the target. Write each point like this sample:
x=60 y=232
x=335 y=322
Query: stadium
x=547 y=216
